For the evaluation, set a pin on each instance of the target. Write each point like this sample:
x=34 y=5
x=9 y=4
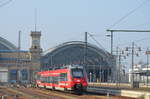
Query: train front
x=79 y=79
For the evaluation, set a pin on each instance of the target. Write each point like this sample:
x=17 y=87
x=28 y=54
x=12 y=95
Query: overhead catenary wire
x=134 y=41
x=96 y=41
x=125 y=16
x=5 y=3
x=139 y=25
x=98 y=44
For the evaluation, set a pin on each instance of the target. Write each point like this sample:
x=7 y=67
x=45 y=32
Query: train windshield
x=77 y=73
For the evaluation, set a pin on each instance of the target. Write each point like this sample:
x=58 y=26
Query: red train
x=71 y=78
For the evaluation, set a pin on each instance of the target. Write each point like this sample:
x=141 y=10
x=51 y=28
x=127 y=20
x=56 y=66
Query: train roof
x=73 y=66
x=60 y=70
x=52 y=72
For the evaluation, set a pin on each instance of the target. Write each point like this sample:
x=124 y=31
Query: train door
x=63 y=81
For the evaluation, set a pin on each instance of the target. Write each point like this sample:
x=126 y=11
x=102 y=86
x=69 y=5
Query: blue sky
x=66 y=20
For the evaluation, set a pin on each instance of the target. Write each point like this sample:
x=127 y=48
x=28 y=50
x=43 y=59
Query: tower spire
x=35 y=18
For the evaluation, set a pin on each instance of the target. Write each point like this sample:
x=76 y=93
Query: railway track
x=117 y=86
x=36 y=93
x=5 y=93
x=48 y=94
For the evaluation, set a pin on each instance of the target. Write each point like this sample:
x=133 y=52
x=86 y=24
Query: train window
x=46 y=79
x=55 y=80
x=77 y=73
x=42 y=79
x=63 y=77
x=37 y=77
x=50 y=79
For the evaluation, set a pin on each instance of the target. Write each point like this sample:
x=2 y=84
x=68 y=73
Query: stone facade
x=14 y=60
x=35 y=50
x=20 y=65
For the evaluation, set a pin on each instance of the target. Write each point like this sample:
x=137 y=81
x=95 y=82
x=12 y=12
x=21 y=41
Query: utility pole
x=119 y=68
x=111 y=37
x=120 y=54
x=147 y=53
x=19 y=40
x=85 y=50
x=132 y=51
x=132 y=80
x=18 y=58
x=117 y=52
x=85 y=55
x=111 y=42
x=112 y=31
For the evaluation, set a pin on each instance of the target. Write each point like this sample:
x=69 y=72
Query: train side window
x=55 y=79
x=42 y=79
x=49 y=79
x=37 y=77
x=63 y=77
x=46 y=79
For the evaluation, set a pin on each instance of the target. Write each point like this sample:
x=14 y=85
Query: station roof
x=6 y=45
x=73 y=53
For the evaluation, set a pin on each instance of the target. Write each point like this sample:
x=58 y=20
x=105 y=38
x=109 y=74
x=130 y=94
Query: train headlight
x=78 y=80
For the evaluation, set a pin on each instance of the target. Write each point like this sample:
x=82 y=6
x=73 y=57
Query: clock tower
x=35 y=50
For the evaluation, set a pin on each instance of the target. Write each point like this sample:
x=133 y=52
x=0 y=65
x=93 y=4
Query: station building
x=20 y=66
x=100 y=65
